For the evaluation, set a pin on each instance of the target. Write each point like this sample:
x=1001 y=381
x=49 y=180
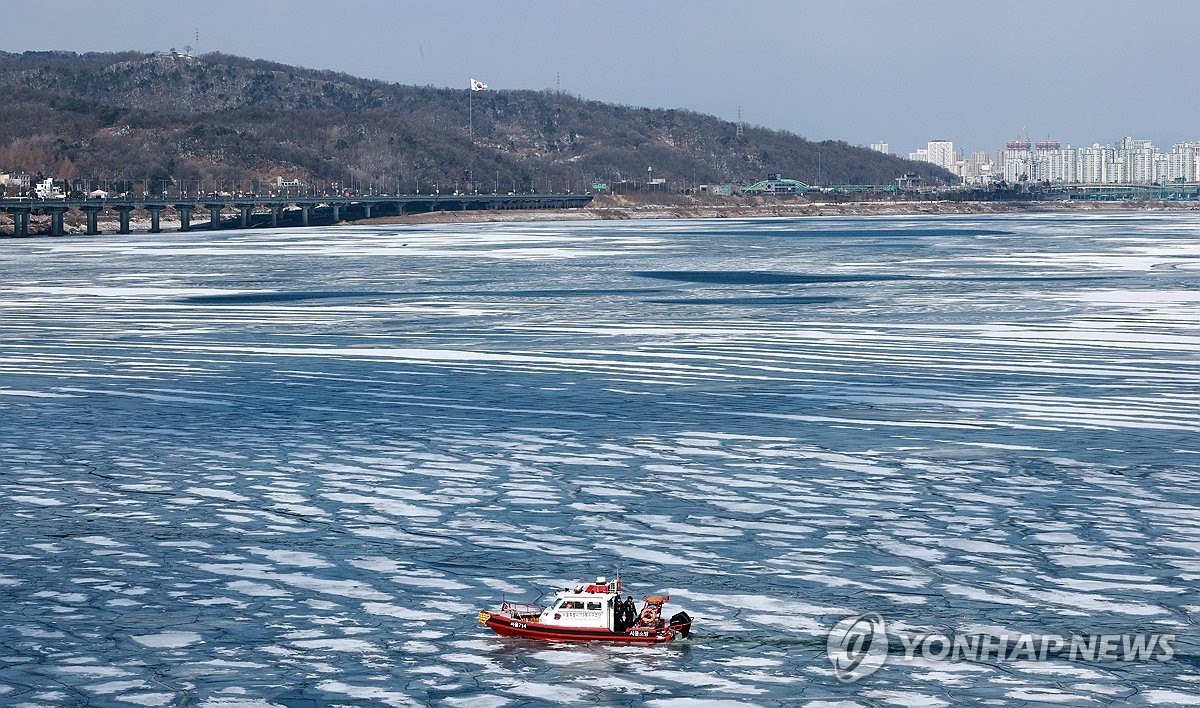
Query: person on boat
x=649 y=615
x=630 y=611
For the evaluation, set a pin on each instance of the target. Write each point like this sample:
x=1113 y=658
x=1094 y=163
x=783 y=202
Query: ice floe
x=293 y=477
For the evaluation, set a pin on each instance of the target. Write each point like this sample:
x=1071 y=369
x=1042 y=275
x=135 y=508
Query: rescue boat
x=586 y=613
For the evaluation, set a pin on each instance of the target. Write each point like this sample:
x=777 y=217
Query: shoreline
x=625 y=212
x=615 y=209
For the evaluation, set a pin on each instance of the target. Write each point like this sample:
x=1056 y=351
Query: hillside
x=218 y=119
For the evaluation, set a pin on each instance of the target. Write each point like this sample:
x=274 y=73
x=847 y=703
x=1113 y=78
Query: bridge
x=256 y=211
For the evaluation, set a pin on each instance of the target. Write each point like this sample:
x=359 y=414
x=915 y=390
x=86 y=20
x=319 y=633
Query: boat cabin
x=592 y=605
x=599 y=606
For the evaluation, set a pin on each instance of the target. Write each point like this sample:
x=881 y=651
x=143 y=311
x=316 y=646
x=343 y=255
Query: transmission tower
x=739 y=124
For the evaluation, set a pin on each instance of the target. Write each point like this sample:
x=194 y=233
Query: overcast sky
x=972 y=71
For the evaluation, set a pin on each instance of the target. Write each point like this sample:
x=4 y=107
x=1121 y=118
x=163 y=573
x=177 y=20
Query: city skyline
x=1131 y=161
x=824 y=70
x=963 y=149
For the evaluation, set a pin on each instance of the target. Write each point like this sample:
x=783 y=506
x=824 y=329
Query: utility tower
x=739 y=124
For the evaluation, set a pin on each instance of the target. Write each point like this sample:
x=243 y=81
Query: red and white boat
x=586 y=613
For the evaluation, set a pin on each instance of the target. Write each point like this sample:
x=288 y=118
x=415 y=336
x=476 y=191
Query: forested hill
x=133 y=116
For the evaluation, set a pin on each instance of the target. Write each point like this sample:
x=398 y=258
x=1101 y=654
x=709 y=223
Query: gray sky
x=973 y=71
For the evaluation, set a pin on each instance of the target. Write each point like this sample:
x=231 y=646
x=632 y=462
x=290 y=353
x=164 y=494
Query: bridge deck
x=530 y=201
x=321 y=208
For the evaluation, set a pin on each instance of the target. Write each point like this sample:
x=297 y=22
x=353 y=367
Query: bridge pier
x=337 y=212
x=92 y=211
x=155 y=211
x=275 y=211
x=56 y=220
x=214 y=216
x=304 y=214
x=366 y=211
x=20 y=219
x=244 y=215
x=185 y=216
x=123 y=214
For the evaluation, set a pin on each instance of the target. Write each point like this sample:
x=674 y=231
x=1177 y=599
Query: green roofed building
x=778 y=185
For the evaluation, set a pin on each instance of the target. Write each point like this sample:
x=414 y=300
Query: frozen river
x=287 y=468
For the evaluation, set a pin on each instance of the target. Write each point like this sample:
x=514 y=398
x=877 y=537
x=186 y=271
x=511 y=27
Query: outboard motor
x=682 y=623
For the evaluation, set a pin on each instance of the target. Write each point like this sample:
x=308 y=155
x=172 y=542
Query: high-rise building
x=1053 y=163
x=881 y=147
x=1162 y=168
x=1137 y=156
x=1116 y=172
x=1129 y=143
x=978 y=169
x=1094 y=163
x=941 y=153
x=921 y=155
x=1182 y=163
x=1016 y=161
x=1194 y=146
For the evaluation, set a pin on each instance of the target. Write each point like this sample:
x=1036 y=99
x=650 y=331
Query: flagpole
x=475 y=86
x=471 y=129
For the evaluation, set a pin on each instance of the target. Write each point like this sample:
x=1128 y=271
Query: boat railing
x=522 y=610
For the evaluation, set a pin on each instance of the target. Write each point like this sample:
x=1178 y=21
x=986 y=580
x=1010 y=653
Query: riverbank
x=615 y=208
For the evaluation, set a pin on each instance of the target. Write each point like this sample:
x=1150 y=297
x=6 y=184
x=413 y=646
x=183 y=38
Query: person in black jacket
x=618 y=609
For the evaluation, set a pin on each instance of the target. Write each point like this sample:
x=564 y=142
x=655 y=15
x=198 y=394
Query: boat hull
x=510 y=627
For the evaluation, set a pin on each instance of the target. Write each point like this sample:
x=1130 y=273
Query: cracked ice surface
x=287 y=467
